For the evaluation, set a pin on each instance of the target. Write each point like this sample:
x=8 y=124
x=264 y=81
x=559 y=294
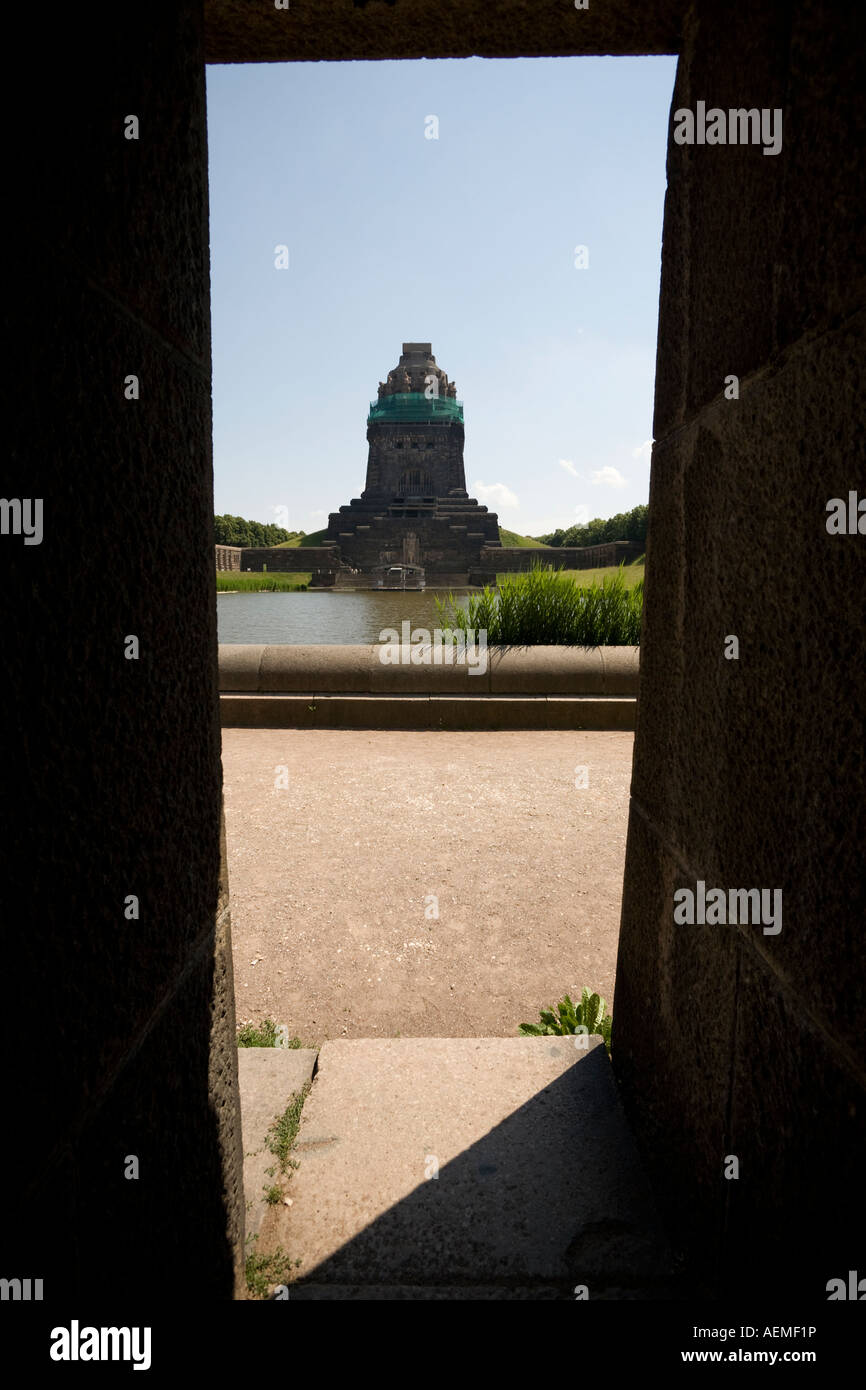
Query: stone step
x=481 y=1168
x=268 y=1078
x=425 y=711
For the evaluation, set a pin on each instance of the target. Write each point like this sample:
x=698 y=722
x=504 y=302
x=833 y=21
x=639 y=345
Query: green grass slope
x=631 y=574
x=314 y=538
x=525 y=542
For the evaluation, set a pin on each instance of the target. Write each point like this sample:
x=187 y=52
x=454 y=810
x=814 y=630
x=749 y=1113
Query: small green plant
x=284 y=1130
x=265 y=1271
x=280 y=1138
x=266 y=1035
x=589 y=1015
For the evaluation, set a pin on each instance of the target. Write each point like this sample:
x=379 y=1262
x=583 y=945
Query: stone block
x=424 y=711
x=547 y=670
x=798 y=1128
x=159 y=1110
x=240 y=666
x=723 y=213
x=820 y=259
x=268 y=1078
x=673 y=1027
x=621 y=666
x=316 y=668
x=724 y=744
x=504 y=1209
x=366 y=30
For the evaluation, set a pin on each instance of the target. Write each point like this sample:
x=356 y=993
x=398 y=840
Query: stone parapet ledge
x=359 y=669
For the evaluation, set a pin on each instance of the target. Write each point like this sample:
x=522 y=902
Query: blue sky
x=466 y=241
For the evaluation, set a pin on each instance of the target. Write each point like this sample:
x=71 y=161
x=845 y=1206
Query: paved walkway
x=335 y=876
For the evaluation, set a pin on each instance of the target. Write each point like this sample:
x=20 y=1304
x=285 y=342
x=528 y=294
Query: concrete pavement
x=421 y=884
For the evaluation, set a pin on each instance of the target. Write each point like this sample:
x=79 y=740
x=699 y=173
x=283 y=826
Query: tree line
x=625 y=526
x=236 y=530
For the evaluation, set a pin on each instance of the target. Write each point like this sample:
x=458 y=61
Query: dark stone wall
x=451 y=550
x=449 y=540
x=291 y=559
x=749 y=772
x=511 y=557
x=120 y=1031
x=228 y=557
x=434 y=451
x=240 y=32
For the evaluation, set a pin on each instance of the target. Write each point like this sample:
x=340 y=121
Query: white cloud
x=496 y=493
x=607 y=477
x=569 y=467
x=581 y=514
x=317 y=512
x=643 y=450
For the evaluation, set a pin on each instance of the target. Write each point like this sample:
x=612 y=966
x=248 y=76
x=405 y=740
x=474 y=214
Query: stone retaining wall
x=292 y=559
x=586 y=557
x=228 y=557
x=358 y=669
x=494 y=559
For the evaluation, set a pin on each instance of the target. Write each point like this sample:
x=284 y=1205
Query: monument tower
x=414 y=509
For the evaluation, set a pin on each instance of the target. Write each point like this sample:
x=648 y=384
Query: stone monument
x=415 y=500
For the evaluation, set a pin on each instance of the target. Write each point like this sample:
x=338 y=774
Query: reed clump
x=542 y=607
x=233 y=581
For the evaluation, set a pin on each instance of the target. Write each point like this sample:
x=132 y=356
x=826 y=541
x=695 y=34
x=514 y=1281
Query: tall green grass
x=542 y=607
x=631 y=573
x=234 y=580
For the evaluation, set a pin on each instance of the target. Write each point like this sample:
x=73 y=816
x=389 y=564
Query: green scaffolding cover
x=414 y=406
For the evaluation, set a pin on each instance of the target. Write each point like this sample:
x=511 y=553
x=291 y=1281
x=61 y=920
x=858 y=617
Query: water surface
x=321 y=616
